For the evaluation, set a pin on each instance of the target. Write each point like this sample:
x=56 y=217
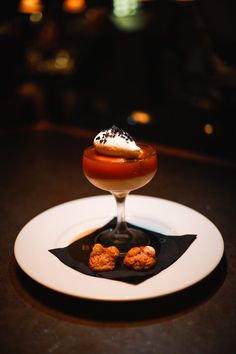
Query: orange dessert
x=116 y=164
x=119 y=173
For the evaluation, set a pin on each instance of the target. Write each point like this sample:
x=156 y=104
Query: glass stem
x=121 y=226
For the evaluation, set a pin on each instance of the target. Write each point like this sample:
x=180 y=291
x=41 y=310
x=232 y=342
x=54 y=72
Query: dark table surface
x=42 y=168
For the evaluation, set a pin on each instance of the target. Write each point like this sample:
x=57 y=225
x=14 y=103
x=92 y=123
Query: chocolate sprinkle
x=112 y=133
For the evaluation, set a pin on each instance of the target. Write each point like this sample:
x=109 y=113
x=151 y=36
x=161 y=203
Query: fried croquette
x=103 y=258
x=140 y=258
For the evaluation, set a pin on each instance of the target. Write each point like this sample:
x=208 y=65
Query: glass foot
x=123 y=241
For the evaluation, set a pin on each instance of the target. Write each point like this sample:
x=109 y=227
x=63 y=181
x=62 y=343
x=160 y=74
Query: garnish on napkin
x=168 y=248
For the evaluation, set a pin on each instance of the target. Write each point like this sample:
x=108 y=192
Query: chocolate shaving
x=112 y=133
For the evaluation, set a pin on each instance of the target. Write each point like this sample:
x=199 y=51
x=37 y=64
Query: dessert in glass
x=115 y=163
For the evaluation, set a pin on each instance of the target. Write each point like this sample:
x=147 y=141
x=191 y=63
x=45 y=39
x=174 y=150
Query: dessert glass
x=120 y=176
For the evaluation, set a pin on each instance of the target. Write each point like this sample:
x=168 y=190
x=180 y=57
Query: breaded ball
x=140 y=258
x=103 y=258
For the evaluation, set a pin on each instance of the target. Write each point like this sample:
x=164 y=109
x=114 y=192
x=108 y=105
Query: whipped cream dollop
x=116 y=142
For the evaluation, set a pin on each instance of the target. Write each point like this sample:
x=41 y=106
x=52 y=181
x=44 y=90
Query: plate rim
x=118 y=298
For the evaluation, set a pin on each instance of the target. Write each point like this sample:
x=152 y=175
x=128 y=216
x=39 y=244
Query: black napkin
x=168 y=249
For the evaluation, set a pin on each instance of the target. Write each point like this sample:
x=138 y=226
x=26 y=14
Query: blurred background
x=165 y=70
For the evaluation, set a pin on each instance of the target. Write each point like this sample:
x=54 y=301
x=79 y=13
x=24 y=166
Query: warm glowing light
x=74 y=5
x=36 y=17
x=122 y=8
x=30 y=6
x=62 y=59
x=139 y=117
x=208 y=129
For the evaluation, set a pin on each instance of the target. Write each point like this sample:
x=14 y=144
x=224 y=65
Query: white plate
x=59 y=226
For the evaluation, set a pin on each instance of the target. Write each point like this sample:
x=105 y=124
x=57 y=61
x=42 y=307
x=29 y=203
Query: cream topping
x=116 y=142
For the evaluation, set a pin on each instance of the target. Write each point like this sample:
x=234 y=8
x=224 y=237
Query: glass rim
x=150 y=153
